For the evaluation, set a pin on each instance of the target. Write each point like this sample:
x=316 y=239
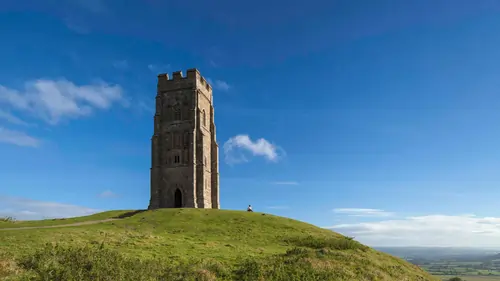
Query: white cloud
x=54 y=100
x=428 y=231
x=17 y=138
x=236 y=148
x=108 y=194
x=285 y=183
x=219 y=84
x=9 y=117
x=121 y=64
x=360 y=212
x=27 y=209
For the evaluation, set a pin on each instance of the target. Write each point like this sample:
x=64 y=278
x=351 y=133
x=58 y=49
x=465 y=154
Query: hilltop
x=210 y=244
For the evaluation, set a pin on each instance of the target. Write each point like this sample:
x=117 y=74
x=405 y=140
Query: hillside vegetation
x=190 y=244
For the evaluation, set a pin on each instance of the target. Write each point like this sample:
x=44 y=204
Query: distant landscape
x=470 y=264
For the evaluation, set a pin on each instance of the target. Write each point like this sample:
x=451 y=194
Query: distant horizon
x=373 y=246
x=440 y=247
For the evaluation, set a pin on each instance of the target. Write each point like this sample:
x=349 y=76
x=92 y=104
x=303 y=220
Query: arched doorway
x=178 y=199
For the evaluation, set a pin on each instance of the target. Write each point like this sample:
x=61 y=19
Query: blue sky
x=378 y=119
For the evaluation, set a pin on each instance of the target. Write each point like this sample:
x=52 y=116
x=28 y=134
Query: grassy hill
x=189 y=244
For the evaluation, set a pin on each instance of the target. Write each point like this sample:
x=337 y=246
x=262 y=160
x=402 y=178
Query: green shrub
x=288 y=267
x=334 y=243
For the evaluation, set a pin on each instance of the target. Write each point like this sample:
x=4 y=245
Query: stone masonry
x=185 y=154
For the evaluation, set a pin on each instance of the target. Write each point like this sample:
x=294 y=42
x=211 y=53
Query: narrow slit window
x=186 y=139
x=178 y=140
x=177 y=113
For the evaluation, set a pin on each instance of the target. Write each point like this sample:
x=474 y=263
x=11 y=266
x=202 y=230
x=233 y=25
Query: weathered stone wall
x=204 y=105
x=182 y=143
x=214 y=175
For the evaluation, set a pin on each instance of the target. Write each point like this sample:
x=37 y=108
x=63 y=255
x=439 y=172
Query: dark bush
x=341 y=243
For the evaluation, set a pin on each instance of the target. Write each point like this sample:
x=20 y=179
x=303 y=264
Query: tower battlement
x=178 y=80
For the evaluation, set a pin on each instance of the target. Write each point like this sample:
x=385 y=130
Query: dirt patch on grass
x=60 y=225
x=8 y=268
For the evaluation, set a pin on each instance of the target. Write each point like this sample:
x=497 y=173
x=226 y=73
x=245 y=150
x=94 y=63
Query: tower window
x=169 y=140
x=171 y=113
x=177 y=159
x=186 y=139
x=204 y=118
x=178 y=138
x=177 y=113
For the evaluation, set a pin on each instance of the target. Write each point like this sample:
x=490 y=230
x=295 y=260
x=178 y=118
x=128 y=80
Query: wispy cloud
x=108 y=194
x=17 y=138
x=238 y=148
x=285 y=183
x=121 y=64
x=159 y=68
x=360 y=212
x=93 y=6
x=215 y=56
x=54 y=100
x=213 y=63
x=278 y=207
x=146 y=106
x=219 y=84
x=9 y=117
x=80 y=19
x=428 y=230
x=79 y=28
x=28 y=209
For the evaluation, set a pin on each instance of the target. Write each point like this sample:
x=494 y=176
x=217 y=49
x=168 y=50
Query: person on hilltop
x=249 y=209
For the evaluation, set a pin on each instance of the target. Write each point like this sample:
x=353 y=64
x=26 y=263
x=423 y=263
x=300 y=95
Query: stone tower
x=185 y=154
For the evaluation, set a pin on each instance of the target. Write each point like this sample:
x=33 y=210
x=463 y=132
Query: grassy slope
x=226 y=236
x=99 y=216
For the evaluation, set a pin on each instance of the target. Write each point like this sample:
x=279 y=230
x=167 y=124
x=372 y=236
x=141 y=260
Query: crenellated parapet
x=178 y=82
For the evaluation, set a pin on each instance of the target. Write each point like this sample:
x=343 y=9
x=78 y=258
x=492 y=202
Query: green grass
x=191 y=244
